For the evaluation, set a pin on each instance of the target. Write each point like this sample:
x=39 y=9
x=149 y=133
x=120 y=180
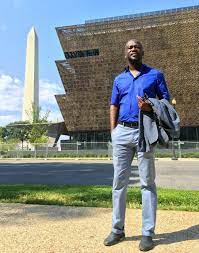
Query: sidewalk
x=84 y=160
x=58 y=229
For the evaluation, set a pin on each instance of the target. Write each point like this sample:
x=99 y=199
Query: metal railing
x=140 y=15
x=125 y=22
x=176 y=149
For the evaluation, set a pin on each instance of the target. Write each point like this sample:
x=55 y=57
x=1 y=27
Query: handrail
x=137 y=15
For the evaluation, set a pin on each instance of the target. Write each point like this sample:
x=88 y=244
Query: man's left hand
x=143 y=104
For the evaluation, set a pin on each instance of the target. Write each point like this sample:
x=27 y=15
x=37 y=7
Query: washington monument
x=31 y=88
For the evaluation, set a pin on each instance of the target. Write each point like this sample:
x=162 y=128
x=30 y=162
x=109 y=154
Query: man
x=129 y=88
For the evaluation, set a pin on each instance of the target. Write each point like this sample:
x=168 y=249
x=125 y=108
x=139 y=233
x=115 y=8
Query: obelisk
x=31 y=87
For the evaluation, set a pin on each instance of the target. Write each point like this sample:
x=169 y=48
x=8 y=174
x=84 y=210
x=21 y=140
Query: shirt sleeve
x=161 y=87
x=115 y=94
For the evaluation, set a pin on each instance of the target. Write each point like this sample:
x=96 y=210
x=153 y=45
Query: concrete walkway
x=55 y=229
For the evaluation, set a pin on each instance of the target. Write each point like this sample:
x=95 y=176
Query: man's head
x=134 y=51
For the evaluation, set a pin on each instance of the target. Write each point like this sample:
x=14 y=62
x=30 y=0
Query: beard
x=135 y=61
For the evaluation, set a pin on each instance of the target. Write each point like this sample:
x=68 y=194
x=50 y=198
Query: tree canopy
x=34 y=132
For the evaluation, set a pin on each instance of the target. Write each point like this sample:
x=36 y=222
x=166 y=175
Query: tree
x=18 y=131
x=34 y=132
x=39 y=129
x=38 y=132
x=2 y=134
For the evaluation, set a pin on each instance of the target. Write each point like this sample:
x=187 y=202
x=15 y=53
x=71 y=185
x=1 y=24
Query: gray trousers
x=124 y=141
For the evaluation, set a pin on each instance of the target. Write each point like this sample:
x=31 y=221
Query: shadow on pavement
x=191 y=233
x=16 y=214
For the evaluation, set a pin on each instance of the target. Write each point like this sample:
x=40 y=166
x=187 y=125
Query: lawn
x=94 y=196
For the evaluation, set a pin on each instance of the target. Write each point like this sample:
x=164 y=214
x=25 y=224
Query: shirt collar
x=141 y=70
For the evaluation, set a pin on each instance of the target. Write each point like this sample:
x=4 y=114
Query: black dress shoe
x=113 y=239
x=146 y=243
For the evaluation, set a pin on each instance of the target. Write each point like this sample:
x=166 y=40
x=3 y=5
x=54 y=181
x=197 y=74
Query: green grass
x=94 y=196
x=86 y=154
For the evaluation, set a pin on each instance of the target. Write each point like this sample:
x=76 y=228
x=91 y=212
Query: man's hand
x=144 y=105
x=113 y=116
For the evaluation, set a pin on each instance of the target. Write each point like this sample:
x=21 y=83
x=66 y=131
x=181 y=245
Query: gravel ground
x=55 y=229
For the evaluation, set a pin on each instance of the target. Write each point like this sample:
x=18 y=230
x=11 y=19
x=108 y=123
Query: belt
x=129 y=124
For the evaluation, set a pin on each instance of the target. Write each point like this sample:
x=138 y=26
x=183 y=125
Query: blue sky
x=16 y=19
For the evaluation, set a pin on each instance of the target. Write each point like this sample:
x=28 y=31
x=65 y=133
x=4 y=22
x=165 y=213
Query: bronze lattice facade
x=94 y=55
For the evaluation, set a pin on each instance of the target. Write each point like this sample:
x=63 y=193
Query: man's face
x=134 y=51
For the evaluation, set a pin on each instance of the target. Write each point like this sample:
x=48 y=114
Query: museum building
x=94 y=56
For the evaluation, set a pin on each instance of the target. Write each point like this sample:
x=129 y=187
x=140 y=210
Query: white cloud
x=10 y=94
x=5 y=119
x=47 y=91
x=11 y=97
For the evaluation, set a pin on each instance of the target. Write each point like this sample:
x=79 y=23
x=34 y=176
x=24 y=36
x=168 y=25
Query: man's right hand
x=113 y=116
x=144 y=105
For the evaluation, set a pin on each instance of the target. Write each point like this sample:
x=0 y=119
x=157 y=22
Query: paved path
x=55 y=229
x=173 y=174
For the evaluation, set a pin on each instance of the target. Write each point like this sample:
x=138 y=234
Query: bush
x=81 y=154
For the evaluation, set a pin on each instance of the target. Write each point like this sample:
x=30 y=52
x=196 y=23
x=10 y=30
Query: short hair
x=136 y=41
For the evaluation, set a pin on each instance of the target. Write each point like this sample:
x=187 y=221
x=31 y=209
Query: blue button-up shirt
x=150 y=81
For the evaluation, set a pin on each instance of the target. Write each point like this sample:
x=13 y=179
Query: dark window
x=82 y=53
